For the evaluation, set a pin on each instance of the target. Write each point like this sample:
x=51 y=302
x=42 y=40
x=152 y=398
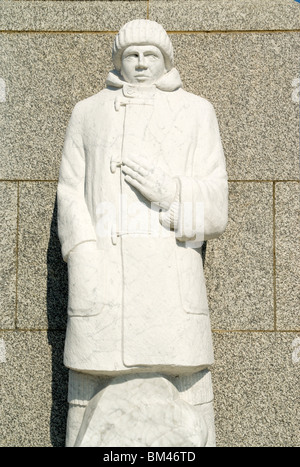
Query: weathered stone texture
x=288 y=255
x=42 y=273
x=33 y=390
x=248 y=78
x=8 y=241
x=256 y=386
x=103 y=15
x=45 y=76
x=239 y=264
x=217 y=15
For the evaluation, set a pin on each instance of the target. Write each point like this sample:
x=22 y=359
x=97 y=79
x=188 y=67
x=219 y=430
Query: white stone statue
x=142 y=185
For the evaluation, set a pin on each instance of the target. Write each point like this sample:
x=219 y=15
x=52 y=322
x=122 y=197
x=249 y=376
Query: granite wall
x=242 y=55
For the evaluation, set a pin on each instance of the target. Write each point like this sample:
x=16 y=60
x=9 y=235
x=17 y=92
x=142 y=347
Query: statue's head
x=142 y=52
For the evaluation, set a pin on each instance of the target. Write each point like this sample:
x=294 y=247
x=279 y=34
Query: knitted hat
x=142 y=32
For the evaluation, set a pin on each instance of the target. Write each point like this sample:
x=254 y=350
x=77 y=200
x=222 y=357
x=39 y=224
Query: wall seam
x=274 y=257
x=220 y=31
x=55 y=180
x=259 y=331
x=236 y=31
x=218 y=331
x=17 y=254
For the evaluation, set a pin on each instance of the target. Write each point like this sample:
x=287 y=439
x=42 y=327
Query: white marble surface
x=142 y=184
x=141 y=411
x=169 y=290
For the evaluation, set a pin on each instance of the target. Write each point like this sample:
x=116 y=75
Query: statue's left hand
x=152 y=182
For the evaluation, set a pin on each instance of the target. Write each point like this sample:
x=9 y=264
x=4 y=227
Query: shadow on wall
x=57 y=297
x=203 y=252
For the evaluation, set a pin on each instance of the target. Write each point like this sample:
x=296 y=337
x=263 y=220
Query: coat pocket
x=191 y=280
x=85 y=283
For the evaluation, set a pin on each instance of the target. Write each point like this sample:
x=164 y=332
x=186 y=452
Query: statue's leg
x=196 y=389
x=142 y=409
x=75 y=416
x=82 y=387
x=207 y=412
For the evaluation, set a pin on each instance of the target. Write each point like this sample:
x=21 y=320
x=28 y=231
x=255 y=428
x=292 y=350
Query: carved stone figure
x=142 y=185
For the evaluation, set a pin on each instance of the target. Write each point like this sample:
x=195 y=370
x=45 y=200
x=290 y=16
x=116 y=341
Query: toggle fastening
x=113 y=165
x=123 y=101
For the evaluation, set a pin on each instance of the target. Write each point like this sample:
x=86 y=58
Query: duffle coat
x=138 y=301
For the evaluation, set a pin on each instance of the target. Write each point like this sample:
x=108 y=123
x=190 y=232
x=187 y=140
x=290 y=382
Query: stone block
x=211 y=15
x=45 y=76
x=256 y=386
x=249 y=80
x=8 y=235
x=42 y=274
x=33 y=390
x=288 y=255
x=239 y=264
x=69 y=15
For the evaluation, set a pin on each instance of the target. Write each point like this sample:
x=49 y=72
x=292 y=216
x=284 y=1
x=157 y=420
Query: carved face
x=142 y=64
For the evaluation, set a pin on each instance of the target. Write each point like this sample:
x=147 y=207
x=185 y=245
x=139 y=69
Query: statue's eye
x=131 y=56
x=151 y=57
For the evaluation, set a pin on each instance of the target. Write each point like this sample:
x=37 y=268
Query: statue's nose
x=142 y=61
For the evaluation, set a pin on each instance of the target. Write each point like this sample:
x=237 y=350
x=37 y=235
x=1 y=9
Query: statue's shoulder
x=95 y=100
x=194 y=100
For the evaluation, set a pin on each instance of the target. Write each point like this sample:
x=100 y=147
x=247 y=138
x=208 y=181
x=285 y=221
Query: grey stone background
x=242 y=55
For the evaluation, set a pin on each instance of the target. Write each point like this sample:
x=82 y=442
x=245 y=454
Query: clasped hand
x=152 y=182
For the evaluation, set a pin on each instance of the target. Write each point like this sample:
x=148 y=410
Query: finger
x=133 y=164
x=139 y=164
x=133 y=174
x=137 y=169
x=133 y=182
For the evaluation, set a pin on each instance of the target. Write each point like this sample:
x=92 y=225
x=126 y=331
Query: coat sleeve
x=74 y=221
x=200 y=211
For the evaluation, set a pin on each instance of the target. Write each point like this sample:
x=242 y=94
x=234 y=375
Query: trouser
x=195 y=389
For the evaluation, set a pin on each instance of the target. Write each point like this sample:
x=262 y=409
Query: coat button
x=129 y=91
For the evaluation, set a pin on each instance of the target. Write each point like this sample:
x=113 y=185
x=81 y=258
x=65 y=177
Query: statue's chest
x=158 y=133
x=153 y=127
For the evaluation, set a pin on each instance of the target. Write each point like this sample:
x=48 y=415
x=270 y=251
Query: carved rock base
x=141 y=410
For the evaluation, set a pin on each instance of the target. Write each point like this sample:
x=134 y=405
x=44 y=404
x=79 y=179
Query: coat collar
x=168 y=82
